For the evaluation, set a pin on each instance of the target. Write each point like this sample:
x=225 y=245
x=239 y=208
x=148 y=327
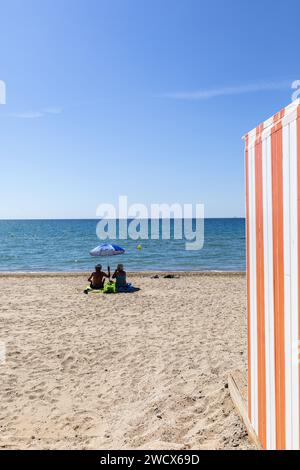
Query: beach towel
x=111 y=289
x=89 y=289
x=128 y=288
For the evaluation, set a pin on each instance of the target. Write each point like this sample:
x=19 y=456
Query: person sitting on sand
x=120 y=276
x=97 y=278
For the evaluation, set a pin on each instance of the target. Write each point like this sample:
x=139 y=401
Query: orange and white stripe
x=272 y=160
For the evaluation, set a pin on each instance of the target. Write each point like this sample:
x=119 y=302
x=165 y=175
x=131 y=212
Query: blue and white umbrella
x=107 y=250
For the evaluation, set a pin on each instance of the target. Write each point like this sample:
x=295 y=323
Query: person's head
x=120 y=267
x=98 y=268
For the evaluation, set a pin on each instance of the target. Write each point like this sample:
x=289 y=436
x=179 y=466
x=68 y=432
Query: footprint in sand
x=68 y=363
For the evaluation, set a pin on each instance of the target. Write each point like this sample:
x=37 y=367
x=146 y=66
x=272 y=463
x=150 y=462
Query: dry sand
x=127 y=371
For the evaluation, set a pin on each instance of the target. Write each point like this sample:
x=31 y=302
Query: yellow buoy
x=139 y=247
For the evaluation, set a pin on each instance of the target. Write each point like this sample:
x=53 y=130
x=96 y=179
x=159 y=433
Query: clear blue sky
x=136 y=97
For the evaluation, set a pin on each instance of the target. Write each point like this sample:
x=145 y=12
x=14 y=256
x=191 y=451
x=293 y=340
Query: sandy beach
x=146 y=370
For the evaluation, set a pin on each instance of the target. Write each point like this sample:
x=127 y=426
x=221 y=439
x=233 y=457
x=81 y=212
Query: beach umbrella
x=107 y=249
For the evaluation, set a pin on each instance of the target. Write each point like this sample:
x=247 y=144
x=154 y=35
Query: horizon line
x=117 y=218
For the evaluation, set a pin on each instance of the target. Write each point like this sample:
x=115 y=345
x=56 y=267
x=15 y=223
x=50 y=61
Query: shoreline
x=129 y=273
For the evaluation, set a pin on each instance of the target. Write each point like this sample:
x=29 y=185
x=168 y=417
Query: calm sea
x=64 y=245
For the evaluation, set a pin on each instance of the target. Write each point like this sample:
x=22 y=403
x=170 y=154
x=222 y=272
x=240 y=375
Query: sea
x=64 y=245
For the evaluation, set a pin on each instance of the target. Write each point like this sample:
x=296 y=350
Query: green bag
x=109 y=288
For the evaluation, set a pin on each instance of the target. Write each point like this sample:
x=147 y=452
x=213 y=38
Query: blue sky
x=147 y=99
